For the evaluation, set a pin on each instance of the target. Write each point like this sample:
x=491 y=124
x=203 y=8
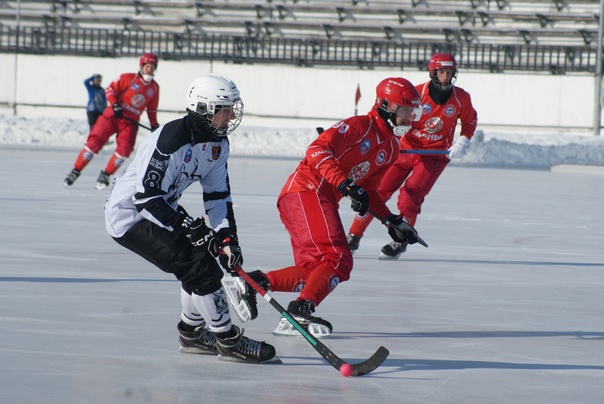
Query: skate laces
x=206 y=337
x=248 y=346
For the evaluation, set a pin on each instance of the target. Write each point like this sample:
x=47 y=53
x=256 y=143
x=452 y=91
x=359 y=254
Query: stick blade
x=422 y=242
x=371 y=364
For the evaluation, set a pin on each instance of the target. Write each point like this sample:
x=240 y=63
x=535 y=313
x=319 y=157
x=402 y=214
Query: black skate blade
x=196 y=351
x=273 y=361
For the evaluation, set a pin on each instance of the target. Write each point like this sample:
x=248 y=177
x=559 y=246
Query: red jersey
x=134 y=95
x=361 y=148
x=436 y=127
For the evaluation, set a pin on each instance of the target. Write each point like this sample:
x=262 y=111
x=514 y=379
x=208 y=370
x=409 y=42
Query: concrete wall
x=276 y=95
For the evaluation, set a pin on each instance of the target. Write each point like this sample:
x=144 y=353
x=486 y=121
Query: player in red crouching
x=347 y=160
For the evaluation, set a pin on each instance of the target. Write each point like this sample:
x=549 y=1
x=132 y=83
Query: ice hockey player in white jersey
x=143 y=215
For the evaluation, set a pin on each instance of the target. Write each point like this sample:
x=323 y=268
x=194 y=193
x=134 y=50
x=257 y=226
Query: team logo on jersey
x=216 y=152
x=449 y=110
x=333 y=282
x=150 y=93
x=359 y=171
x=433 y=124
x=188 y=155
x=298 y=286
x=137 y=100
x=365 y=146
x=427 y=108
x=135 y=87
x=380 y=158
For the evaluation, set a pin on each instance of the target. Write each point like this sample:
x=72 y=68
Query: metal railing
x=301 y=52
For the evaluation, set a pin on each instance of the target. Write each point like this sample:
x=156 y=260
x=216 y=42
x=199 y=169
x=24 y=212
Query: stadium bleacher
x=456 y=22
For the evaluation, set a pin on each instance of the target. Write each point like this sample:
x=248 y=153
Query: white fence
x=277 y=95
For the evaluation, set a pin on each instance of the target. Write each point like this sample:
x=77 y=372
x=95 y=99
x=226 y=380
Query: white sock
x=190 y=315
x=215 y=309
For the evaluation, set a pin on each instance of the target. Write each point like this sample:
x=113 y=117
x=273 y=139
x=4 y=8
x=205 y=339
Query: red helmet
x=148 y=58
x=395 y=92
x=441 y=61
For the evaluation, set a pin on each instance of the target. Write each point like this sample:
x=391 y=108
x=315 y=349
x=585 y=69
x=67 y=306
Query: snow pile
x=499 y=149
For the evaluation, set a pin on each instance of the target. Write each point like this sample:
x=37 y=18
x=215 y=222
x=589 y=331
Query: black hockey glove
x=232 y=256
x=358 y=196
x=118 y=112
x=153 y=127
x=199 y=234
x=400 y=230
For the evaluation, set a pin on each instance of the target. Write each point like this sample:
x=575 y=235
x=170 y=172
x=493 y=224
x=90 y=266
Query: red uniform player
x=128 y=96
x=346 y=160
x=443 y=105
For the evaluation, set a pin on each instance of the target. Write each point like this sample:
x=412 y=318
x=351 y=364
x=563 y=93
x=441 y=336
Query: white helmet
x=207 y=95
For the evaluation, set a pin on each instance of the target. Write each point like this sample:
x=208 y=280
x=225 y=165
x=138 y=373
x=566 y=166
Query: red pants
x=105 y=126
x=417 y=174
x=321 y=254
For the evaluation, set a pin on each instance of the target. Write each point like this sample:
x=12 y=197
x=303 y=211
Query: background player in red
x=443 y=105
x=346 y=160
x=128 y=96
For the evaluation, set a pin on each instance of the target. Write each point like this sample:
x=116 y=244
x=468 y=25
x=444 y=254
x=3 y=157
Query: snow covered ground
x=506 y=305
x=488 y=148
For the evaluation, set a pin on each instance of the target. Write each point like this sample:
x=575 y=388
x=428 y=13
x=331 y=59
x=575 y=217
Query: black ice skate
x=393 y=250
x=244 y=349
x=301 y=311
x=103 y=181
x=199 y=341
x=353 y=242
x=72 y=177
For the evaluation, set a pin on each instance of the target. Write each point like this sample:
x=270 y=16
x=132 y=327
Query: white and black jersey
x=167 y=162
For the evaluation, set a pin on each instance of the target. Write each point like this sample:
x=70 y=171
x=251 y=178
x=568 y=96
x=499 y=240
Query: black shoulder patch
x=174 y=135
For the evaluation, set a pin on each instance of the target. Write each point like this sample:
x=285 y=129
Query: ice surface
x=506 y=306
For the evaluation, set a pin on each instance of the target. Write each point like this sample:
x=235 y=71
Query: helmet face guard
x=397 y=100
x=441 y=61
x=216 y=99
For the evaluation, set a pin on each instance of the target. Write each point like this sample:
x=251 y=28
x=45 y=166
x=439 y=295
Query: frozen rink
x=506 y=306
